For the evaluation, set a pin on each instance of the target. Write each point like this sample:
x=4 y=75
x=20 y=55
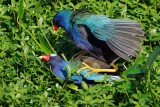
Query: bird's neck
x=66 y=25
x=66 y=20
x=58 y=68
x=58 y=64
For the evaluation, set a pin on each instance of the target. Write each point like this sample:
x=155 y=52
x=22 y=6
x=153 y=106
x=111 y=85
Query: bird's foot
x=94 y=70
x=78 y=54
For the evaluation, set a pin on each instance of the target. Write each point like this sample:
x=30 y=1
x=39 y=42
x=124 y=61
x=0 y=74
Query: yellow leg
x=114 y=66
x=78 y=72
x=78 y=54
x=93 y=70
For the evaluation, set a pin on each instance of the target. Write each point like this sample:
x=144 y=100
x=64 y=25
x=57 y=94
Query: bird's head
x=48 y=57
x=61 y=19
x=53 y=59
x=57 y=64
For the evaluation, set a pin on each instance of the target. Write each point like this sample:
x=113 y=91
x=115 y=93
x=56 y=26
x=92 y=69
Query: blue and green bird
x=104 y=38
x=75 y=71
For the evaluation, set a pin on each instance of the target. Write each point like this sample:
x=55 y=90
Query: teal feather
x=99 y=34
x=119 y=34
x=76 y=64
x=68 y=70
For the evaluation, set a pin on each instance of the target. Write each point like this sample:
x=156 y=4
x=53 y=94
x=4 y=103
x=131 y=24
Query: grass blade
x=44 y=45
x=21 y=9
x=152 y=57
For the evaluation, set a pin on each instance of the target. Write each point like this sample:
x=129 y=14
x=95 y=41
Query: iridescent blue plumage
x=63 y=68
x=104 y=38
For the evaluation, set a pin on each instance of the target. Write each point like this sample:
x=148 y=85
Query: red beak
x=55 y=28
x=45 y=57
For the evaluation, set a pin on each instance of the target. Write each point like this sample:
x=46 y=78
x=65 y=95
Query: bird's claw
x=94 y=70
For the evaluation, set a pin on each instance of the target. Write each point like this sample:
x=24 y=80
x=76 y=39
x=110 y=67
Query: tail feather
x=130 y=30
x=118 y=52
x=128 y=26
x=123 y=40
x=129 y=37
x=124 y=49
x=127 y=43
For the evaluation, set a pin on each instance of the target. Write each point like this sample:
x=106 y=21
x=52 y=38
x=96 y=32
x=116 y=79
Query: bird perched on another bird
x=76 y=69
x=104 y=38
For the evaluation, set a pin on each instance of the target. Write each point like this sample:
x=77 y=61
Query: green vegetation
x=26 y=33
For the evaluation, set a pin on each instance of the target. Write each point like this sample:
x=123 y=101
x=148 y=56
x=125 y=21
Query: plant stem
x=29 y=34
x=48 y=41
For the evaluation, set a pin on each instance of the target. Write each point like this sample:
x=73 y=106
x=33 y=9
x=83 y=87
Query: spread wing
x=120 y=35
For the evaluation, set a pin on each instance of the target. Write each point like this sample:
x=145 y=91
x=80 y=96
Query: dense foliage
x=26 y=32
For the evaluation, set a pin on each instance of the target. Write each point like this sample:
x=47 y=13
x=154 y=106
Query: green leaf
x=133 y=69
x=40 y=21
x=152 y=57
x=71 y=4
x=73 y=86
x=44 y=45
x=5 y=17
x=21 y=9
x=157 y=38
x=124 y=11
x=84 y=85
